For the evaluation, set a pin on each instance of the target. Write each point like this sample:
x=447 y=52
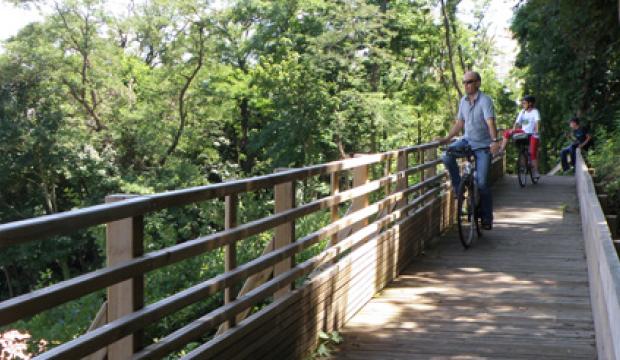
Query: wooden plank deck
x=520 y=292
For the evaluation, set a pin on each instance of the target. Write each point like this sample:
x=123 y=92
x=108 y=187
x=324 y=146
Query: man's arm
x=488 y=111
x=456 y=129
x=586 y=141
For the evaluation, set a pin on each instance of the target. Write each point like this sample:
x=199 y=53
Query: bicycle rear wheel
x=467 y=217
x=522 y=168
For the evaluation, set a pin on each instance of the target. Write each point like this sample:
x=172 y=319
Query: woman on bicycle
x=528 y=121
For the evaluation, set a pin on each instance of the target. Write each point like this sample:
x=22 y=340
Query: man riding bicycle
x=477 y=117
x=528 y=120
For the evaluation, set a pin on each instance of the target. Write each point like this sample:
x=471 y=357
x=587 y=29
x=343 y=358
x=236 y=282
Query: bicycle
x=524 y=164
x=468 y=197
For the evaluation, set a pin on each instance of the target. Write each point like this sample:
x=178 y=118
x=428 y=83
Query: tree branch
x=80 y=99
x=182 y=110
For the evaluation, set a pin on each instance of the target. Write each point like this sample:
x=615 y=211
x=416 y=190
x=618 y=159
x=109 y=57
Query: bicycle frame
x=522 y=171
x=467 y=206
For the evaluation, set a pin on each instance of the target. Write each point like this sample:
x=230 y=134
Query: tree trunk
x=244 y=111
x=49 y=196
x=340 y=145
x=383 y=6
x=373 y=134
x=64 y=268
x=446 y=23
x=446 y=85
x=459 y=48
x=9 y=284
x=419 y=130
x=584 y=104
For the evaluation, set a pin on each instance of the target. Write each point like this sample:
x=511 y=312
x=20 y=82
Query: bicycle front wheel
x=467 y=217
x=522 y=168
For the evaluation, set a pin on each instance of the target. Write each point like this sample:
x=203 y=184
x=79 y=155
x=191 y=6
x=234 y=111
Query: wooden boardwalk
x=520 y=292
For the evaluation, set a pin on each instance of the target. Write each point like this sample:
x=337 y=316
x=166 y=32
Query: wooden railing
x=603 y=266
x=383 y=237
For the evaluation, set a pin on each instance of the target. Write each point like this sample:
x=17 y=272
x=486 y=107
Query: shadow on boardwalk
x=520 y=292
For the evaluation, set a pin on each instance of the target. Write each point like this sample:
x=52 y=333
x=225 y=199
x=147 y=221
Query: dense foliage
x=176 y=93
x=605 y=161
x=569 y=60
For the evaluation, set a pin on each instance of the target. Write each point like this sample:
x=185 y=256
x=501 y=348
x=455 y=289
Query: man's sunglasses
x=467 y=82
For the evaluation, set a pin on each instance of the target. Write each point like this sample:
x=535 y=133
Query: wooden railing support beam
x=335 y=189
x=360 y=177
x=285 y=233
x=230 y=251
x=402 y=182
x=124 y=241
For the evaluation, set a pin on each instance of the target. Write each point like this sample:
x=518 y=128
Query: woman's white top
x=528 y=120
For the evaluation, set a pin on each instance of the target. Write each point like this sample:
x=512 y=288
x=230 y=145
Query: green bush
x=604 y=159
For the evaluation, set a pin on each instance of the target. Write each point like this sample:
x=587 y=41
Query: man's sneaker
x=535 y=174
x=487 y=225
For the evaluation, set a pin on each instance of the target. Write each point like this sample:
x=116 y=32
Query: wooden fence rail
x=603 y=266
x=352 y=268
x=46 y=226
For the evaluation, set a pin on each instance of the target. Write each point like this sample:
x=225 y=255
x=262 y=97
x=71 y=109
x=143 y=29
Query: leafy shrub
x=327 y=342
x=605 y=159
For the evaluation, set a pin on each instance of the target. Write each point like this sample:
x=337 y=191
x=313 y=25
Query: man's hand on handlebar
x=494 y=148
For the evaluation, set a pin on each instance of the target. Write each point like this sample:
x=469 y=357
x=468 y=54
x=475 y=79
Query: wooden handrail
x=126 y=325
x=40 y=300
x=45 y=226
x=330 y=254
x=603 y=265
x=197 y=328
x=288 y=328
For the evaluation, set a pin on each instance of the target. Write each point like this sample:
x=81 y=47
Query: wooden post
x=612 y=223
x=422 y=173
x=360 y=177
x=603 y=200
x=124 y=241
x=387 y=171
x=285 y=233
x=599 y=187
x=402 y=182
x=335 y=189
x=431 y=155
x=230 y=255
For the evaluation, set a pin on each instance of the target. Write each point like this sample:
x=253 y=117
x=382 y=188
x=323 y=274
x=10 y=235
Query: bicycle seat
x=459 y=152
x=521 y=137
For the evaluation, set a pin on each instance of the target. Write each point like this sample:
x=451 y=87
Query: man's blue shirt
x=580 y=134
x=475 y=116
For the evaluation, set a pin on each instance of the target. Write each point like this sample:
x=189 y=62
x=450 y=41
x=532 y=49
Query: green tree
x=568 y=58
